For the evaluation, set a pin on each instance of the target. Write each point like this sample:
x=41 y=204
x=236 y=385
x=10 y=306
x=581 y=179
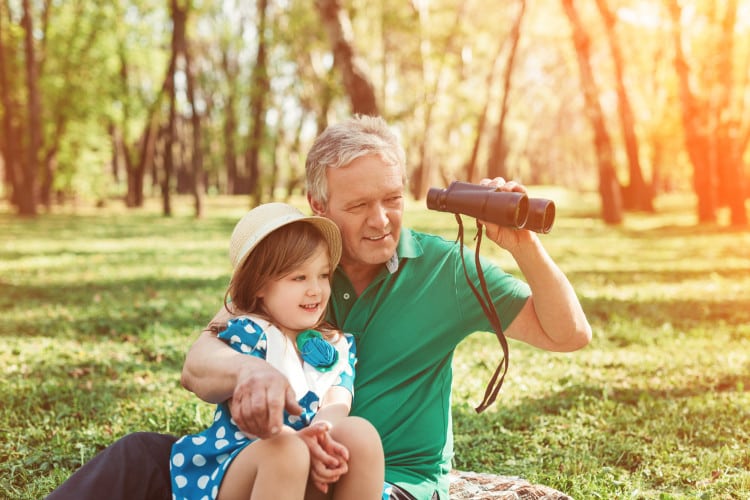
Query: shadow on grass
x=64 y=227
x=675 y=314
x=618 y=427
x=89 y=311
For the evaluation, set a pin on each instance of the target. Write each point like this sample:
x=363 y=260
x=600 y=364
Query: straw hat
x=264 y=219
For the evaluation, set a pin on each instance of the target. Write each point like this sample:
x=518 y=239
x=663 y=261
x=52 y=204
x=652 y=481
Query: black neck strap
x=488 y=306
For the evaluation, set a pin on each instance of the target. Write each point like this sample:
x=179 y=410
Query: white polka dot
x=218 y=414
x=178 y=459
x=222 y=458
x=214 y=491
x=199 y=440
x=181 y=481
x=239 y=435
x=199 y=460
x=235 y=339
x=221 y=432
x=221 y=443
x=203 y=482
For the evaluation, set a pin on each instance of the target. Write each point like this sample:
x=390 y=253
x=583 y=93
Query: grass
x=98 y=307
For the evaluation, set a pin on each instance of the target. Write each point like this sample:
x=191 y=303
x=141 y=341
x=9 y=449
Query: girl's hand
x=328 y=458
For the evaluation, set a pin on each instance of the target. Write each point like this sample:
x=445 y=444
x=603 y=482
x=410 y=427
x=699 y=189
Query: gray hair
x=342 y=143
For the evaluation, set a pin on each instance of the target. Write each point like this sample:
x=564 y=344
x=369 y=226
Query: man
x=404 y=297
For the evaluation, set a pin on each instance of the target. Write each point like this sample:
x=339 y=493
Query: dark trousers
x=135 y=467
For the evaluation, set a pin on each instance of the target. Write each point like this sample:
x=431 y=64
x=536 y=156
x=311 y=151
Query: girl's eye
x=299 y=277
x=325 y=276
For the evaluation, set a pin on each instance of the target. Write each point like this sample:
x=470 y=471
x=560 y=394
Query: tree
x=637 y=195
x=496 y=165
x=27 y=202
x=714 y=139
x=10 y=142
x=358 y=86
x=259 y=89
x=609 y=186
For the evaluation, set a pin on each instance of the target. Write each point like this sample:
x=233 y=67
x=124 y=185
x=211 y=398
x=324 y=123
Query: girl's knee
x=358 y=434
x=284 y=456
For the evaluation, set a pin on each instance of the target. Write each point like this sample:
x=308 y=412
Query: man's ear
x=317 y=207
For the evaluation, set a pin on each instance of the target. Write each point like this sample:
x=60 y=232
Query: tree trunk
x=609 y=187
x=259 y=89
x=728 y=151
x=470 y=168
x=10 y=142
x=637 y=195
x=694 y=115
x=179 y=22
x=230 y=121
x=358 y=86
x=434 y=78
x=196 y=158
x=496 y=166
x=28 y=200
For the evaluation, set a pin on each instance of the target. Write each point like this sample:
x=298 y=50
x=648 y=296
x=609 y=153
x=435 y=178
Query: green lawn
x=98 y=308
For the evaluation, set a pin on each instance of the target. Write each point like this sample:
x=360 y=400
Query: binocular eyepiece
x=503 y=208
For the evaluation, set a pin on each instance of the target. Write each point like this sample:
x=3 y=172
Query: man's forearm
x=555 y=302
x=211 y=368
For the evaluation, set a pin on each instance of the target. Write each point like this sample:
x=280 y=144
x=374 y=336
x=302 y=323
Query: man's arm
x=259 y=393
x=552 y=319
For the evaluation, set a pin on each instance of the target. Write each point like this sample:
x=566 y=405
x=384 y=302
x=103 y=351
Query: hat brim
x=278 y=215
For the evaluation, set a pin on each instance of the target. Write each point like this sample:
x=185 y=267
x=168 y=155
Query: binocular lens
x=509 y=209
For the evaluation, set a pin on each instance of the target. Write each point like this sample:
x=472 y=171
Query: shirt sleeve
x=246 y=336
x=508 y=293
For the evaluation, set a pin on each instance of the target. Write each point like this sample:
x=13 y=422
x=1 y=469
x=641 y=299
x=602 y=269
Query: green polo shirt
x=407 y=324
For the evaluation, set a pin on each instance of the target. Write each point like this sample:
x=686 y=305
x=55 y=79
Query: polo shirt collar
x=408 y=248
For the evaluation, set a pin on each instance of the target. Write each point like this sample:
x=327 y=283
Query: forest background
x=138 y=98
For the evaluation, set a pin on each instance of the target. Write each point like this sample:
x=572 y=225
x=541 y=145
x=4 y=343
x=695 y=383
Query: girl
x=282 y=262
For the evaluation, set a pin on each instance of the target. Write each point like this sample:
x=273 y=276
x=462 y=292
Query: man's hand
x=260 y=396
x=328 y=458
x=506 y=237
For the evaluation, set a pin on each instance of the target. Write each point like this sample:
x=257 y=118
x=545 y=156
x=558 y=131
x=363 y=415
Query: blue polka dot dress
x=199 y=461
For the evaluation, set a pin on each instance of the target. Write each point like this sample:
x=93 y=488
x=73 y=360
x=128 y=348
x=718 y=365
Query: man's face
x=366 y=201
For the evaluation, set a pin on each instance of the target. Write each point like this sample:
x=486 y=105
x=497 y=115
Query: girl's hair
x=342 y=143
x=275 y=256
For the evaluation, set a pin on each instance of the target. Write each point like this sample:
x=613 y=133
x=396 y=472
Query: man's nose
x=378 y=216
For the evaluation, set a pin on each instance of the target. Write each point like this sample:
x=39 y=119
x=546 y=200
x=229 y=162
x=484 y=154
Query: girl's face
x=297 y=300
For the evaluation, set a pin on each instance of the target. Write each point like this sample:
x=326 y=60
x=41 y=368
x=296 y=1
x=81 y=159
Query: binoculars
x=503 y=208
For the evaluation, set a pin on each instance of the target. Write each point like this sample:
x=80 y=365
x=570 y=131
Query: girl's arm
x=328 y=458
x=335 y=405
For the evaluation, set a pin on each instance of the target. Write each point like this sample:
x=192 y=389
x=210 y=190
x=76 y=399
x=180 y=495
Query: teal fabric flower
x=316 y=351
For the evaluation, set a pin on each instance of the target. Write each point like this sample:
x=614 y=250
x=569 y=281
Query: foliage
x=99 y=307
x=435 y=67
